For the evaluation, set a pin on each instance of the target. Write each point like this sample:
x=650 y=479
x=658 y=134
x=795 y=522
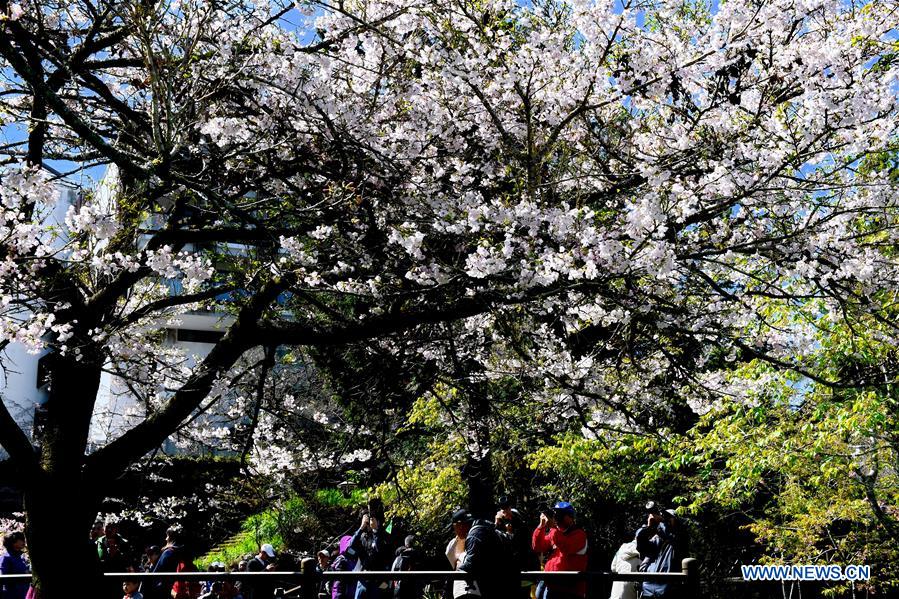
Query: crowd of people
x=495 y=553
x=492 y=554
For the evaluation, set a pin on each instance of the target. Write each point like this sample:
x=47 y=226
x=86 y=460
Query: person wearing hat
x=323 y=560
x=322 y=565
x=566 y=544
x=455 y=550
x=647 y=550
x=264 y=561
x=660 y=543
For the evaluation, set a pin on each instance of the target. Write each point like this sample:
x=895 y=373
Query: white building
x=22 y=381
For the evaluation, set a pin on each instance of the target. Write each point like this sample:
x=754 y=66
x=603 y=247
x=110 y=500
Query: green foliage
x=583 y=469
x=429 y=484
x=426 y=491
x=795 y=470
x=813 y=467
x=231 y=551
x=536 y=458
x=335 y=498
x=268 y=526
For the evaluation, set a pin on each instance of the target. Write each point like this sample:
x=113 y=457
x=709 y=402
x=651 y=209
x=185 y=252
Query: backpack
x=402 y=563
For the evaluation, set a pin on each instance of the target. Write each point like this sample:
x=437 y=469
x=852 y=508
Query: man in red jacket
x=566 y=545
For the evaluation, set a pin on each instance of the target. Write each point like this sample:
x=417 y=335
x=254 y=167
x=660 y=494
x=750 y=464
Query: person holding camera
x=455 y=552
x=372 y=545
x=660 y=543
x=567 y=547
x=488 y=559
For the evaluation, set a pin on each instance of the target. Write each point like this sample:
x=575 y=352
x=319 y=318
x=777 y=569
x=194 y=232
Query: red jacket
x=186 y=589
x=567 y=550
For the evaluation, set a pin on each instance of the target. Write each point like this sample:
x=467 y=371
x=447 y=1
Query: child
x=130 y=588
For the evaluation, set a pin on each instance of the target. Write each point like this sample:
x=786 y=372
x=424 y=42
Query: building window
x=43 y=371
x=195 y=336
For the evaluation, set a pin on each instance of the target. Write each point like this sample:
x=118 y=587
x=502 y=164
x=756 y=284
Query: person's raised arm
x=540 y=540
x=356 y=542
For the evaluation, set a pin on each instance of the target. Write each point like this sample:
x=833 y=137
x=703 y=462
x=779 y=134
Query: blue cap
x=564 y=507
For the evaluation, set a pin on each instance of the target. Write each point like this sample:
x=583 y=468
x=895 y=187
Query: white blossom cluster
x=731 y=162
x=33 y=243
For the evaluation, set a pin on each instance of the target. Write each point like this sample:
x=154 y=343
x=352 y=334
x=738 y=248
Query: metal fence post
x=690 y=567
x=310 y=578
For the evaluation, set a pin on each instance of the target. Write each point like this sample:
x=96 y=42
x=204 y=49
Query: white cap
x=268 y=549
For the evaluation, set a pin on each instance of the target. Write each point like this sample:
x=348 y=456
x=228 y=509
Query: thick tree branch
x=308 y=334
x=175 y=300
x=229 y=234
x=890 y=525
x=15 y=442
x=111 y=460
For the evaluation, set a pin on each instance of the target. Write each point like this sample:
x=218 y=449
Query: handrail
x=377 y=575
x=310 y=579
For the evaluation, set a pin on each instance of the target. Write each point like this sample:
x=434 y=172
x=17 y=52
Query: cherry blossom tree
x=630 y=183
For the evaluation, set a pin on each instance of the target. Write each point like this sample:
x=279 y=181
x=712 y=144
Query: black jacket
x=167 y=562
x=374 y=548
x=489 y=560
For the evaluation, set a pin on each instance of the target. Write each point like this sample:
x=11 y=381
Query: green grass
x=335 y=498
x=264 y=527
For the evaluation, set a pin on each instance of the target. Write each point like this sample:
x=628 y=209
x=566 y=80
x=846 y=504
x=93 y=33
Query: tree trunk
x=478 y=470
x=59 y=513
x=59 y=503
x=478 y=476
